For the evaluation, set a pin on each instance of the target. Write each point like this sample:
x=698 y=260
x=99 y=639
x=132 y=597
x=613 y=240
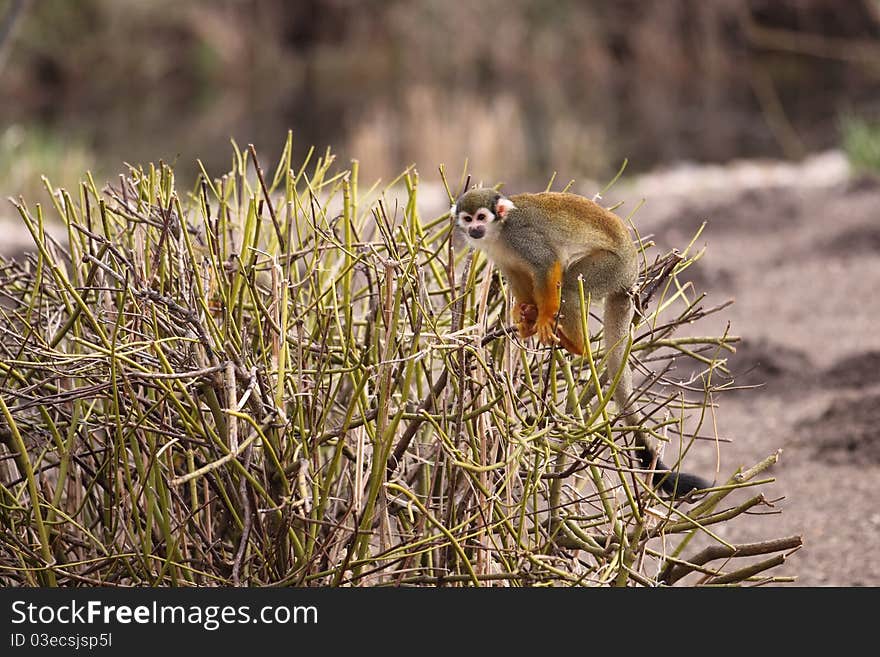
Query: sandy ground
x=797 y=247
x=799 y=254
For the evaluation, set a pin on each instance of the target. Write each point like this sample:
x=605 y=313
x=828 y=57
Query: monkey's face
x=479 y=214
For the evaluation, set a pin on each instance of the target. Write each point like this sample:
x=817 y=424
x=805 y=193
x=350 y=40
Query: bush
x=271 y=381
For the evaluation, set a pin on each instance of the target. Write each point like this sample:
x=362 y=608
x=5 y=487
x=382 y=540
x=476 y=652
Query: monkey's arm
x=536 y=304
x=547 y=285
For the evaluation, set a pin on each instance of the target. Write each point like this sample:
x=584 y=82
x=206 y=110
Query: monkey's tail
x=617 y=322
x=674 y=483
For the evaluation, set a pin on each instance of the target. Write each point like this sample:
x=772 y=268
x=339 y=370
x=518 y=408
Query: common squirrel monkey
x=543 y=243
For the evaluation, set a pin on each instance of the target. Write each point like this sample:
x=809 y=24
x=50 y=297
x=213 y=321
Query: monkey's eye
x=482 y=216
x=467 y=218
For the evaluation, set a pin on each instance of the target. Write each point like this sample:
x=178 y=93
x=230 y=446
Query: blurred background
x=520 y=87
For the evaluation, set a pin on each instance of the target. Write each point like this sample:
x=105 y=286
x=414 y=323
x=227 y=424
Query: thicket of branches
x=279 y=378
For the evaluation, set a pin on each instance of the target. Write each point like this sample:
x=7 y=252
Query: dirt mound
x=863 y=183
x=760 y=209
x=847 y=433
x=861 y=240
x=705 y=277
x=758 y=362
x=853 y=371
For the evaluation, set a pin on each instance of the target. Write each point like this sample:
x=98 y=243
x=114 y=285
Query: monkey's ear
x=504 y=206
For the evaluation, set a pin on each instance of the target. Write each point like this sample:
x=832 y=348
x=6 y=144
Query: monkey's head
x=479 y=214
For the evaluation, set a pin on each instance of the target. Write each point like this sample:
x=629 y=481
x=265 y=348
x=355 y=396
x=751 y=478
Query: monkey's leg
x=570 y=331
x=572 y=347
x=599 y=272
x=547 y=289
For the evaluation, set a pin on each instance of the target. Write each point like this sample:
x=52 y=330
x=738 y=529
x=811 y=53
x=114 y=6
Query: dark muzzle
x=476 y=232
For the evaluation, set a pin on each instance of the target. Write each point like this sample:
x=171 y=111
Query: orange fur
x=547 y=300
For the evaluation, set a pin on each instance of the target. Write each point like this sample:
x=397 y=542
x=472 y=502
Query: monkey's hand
x=547 y=297
x=526 y=314
x=545 y=327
